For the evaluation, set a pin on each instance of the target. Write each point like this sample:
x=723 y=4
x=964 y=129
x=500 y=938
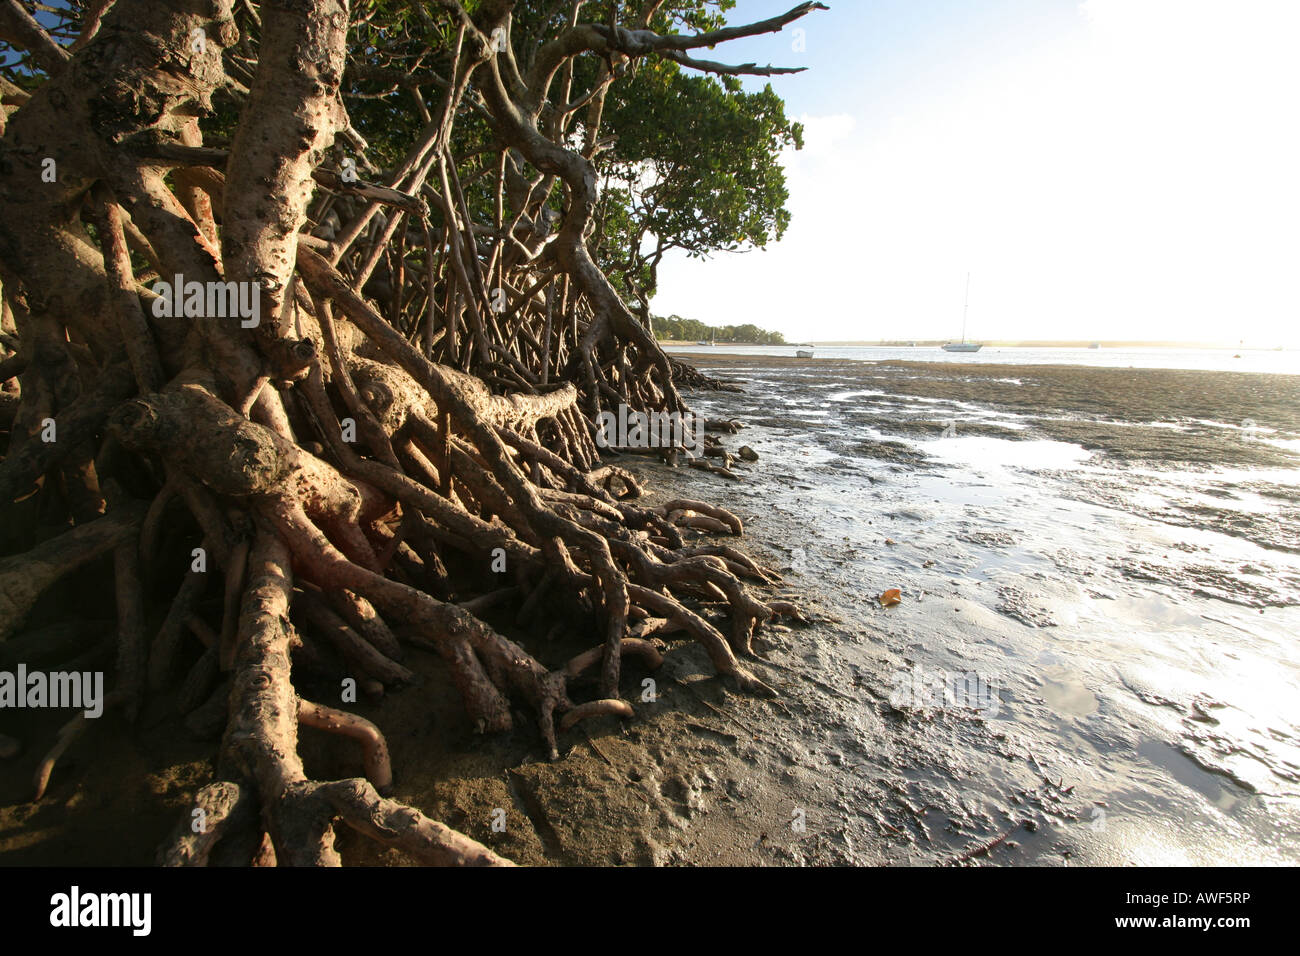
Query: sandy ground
x=1102 y=551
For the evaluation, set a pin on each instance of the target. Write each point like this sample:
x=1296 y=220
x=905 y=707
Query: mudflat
x=1093 y=659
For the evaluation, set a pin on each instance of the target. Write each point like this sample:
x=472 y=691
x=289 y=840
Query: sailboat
x=963 y=345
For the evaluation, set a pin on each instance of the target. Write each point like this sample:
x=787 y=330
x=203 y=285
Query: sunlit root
x=67 y=734
x=597 y=708
x=405 y=829
x=218 y=809
x=374 y=748
x=646 y=650
x=725 y=519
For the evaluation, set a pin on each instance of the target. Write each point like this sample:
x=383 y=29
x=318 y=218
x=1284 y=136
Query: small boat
x=963 y=345
x=803 y=353
x=1095 y=345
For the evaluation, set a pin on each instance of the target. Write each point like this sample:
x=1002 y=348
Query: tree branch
x=20 y=28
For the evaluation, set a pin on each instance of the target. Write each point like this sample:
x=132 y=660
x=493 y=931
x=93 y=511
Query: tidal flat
x=1094 y=660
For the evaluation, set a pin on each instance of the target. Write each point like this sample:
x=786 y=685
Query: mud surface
x=1095 y=655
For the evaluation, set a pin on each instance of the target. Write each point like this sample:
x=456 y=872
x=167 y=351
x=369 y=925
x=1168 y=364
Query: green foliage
x=548 y=17
x=701 y=159
x=693 y=330
x=695 y=164
x=696 y=168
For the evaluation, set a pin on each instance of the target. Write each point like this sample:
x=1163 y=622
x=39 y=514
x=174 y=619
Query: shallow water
x=1286 y=362
x=1133 y=625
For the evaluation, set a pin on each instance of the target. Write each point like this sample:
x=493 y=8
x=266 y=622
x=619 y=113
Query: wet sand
x=1107 y=557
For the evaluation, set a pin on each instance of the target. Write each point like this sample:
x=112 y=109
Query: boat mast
x=964 y=308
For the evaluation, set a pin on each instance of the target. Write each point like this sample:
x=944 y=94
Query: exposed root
x=646 y=650
x=597 y=708
x=67 y=734
x=374 y=748
x=405 y=829
x=23 y=579
x=389 y=457
x=219 y=808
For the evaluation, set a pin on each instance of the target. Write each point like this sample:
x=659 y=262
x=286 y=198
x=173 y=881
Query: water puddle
x=993 y=453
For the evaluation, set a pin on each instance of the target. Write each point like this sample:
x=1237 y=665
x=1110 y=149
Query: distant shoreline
x=1265 y=362
x=936 y=343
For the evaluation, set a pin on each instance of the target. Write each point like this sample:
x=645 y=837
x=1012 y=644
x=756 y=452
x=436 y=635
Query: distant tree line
x=693 y=330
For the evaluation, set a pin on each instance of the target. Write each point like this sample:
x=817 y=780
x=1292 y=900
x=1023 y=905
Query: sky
x=1103 y=169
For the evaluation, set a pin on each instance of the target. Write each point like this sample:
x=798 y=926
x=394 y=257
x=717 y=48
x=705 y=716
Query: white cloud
x=822 y=134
